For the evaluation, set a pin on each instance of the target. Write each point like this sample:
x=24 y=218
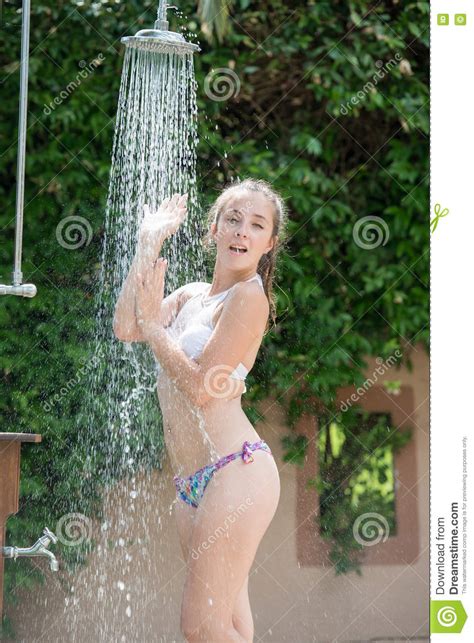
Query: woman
x=206 y=338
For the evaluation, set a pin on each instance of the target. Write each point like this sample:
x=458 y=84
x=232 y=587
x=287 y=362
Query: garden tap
x=40 y=548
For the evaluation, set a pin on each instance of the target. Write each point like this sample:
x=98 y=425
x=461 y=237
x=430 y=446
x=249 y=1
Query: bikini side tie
x=247 y=456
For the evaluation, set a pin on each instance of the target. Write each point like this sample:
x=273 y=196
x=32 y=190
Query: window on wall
x=356 y=481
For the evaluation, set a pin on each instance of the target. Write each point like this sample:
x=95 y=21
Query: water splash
x=153 y=156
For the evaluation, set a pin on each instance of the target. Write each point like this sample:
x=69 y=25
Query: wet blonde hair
x=267 y=264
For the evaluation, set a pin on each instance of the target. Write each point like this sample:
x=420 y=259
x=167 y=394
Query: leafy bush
x=299 y=69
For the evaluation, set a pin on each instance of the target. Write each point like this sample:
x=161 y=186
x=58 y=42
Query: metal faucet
x=40 y=548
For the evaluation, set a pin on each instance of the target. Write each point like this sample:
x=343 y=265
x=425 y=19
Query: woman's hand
x=157 y=226
x=149 y=297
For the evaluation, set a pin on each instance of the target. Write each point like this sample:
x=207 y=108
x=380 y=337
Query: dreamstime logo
x=73 y=529
x=222 y=529
x=86 y=70
x=73 y=232
x=447 y=616
x=370 y=232
x=381 y=369
x=370 y=528
x=221 y=84
x=218 y=384
x=70 y=384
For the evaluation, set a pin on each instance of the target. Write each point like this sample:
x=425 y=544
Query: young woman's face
x=245 y=222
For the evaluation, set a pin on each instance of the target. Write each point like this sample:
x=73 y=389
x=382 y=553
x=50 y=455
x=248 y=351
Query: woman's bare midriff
x=195 y=436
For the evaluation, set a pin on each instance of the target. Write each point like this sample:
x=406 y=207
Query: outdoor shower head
x=160 y=39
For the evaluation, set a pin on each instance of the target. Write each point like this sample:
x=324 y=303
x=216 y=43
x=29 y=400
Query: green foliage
x=295 y=449
x=356 y=482
x=297 y=67
x=214 y=15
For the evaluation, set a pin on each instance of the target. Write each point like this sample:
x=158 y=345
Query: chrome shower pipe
x=160 y=39
x=161 y=22
x=19 y=289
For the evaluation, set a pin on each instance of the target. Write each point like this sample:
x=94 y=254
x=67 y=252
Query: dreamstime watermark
x=381 y=369
x=219 y=384
x=73 y=232
x=221 y=530
x=73 y=529
x=70 y=384
x=370 y=528
x=382 y=70
x=221 y=84
x=370 y=232
x=225 y=219
x=86 y=71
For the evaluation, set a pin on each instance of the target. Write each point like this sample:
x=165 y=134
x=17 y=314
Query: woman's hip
x=251 y=471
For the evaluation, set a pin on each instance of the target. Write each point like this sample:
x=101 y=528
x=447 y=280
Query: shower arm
x=22 y=290
x=161 y=22
x=160 y=39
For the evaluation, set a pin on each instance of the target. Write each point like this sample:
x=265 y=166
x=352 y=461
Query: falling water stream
x=154 y=156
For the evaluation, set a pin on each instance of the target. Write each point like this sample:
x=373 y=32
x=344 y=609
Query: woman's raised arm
x=154 y=229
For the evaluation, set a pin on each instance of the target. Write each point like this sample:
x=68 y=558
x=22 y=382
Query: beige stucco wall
x=289 y=602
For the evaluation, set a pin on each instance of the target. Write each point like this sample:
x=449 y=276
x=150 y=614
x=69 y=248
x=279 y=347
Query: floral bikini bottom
x=192 y=488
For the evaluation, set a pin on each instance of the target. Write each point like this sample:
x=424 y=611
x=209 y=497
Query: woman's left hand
x=150 y=291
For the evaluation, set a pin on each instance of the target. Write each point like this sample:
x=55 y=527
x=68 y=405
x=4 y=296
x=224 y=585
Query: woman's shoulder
x=247 y=296
x=250 y=290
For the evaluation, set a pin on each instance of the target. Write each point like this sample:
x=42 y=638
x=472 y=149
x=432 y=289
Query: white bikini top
x=193 y=325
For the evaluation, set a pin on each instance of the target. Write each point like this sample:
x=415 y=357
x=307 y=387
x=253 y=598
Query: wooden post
x=10 y=444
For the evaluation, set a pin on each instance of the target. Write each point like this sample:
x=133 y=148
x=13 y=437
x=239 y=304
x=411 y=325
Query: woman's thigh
x=233 y=515
x=184 y=515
